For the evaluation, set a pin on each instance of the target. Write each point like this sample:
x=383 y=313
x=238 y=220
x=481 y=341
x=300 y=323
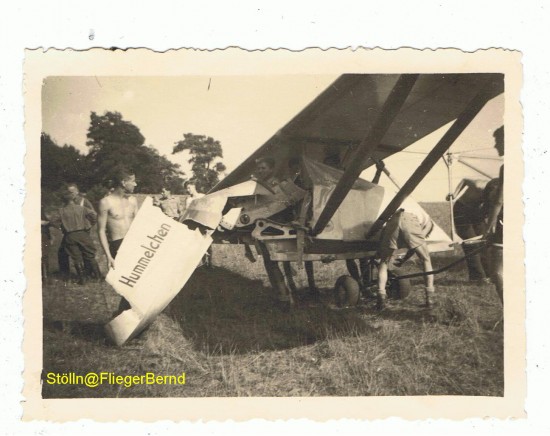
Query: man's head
x=73 y=189
x=67 y=197
x=265 y=167
x=165 y=191
x=498 y=134
x=191 y=189
x=125 y=179
x=186 y=187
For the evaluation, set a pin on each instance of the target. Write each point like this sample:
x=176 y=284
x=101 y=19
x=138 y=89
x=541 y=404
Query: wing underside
x=338 y=120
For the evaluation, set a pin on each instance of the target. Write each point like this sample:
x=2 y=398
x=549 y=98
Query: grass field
x=223 y=331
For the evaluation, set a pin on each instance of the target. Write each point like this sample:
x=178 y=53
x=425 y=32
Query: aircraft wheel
x=400 y=289
x=346 y=291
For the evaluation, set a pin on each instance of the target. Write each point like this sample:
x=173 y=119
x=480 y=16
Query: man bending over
x=405 y=229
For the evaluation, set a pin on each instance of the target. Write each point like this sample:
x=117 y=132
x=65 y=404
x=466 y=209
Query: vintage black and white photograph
x=337 y=234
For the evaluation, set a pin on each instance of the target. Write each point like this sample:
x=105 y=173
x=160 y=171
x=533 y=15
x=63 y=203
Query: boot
x=430 y=297
x=64 y=265
x=380 y=301
x=81 y=273
x=94 y=269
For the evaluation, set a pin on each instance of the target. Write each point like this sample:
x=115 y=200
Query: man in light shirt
x=407 y=228
x=168 y=204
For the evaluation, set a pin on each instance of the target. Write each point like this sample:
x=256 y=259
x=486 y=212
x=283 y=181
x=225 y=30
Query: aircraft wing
x=340 y=117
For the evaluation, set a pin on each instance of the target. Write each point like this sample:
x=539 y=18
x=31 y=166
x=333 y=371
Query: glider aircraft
x=357 y=122
x=322 y=210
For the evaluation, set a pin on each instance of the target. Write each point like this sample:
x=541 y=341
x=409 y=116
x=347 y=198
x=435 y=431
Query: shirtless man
x=116 y=212
x=495 y=224
x=468 y=220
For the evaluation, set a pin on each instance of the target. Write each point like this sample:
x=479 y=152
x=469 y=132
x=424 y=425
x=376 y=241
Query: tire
x=400 y=289
x=346 y=291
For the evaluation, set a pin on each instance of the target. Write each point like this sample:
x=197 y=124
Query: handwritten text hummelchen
x=150 y=247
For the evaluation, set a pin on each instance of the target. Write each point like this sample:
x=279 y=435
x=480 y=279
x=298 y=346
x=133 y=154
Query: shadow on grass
x=223 y=312
x=88 y=331
x=411 y=313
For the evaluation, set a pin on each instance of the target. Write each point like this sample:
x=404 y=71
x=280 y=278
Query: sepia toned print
x=314 y=231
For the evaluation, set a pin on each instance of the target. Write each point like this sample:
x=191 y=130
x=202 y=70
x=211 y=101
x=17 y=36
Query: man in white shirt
x=406 y=229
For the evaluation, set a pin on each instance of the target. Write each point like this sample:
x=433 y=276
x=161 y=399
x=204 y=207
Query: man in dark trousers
x=469 y=223
x=46 y=244
x=62 y=256
x=117 y=211
x=75 y=223
x=495 y=225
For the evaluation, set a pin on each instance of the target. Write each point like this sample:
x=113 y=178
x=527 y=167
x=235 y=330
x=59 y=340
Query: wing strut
x=463 y=120
x=368 y=145
x=381 y=167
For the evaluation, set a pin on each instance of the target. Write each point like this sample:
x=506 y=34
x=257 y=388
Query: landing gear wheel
x=346 y=291
x=399 y=289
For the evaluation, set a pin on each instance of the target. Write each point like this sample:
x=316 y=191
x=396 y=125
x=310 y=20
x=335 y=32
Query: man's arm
x=102 y=230
x=134 y=203
x=400 y=262
x=494 y=212
x=496 y=207
x=91 y=214
x=55 y=220
x=463 y=183
x=87 y=204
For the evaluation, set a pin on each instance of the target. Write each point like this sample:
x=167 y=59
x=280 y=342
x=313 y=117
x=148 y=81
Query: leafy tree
x=203 y=151
x=114 y=141
x=59 y=166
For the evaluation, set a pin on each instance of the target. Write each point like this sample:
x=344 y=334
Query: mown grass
x=224 y=332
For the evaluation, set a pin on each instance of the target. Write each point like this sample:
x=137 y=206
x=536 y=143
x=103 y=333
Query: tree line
x=112 y=142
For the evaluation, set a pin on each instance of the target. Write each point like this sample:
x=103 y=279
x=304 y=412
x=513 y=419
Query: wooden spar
x=389 y=111
x=463 y=120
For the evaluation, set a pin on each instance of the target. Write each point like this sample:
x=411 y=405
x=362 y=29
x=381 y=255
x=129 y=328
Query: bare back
x=473 y=192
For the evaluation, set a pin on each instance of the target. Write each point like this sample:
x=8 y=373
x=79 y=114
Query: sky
x=242 y=112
